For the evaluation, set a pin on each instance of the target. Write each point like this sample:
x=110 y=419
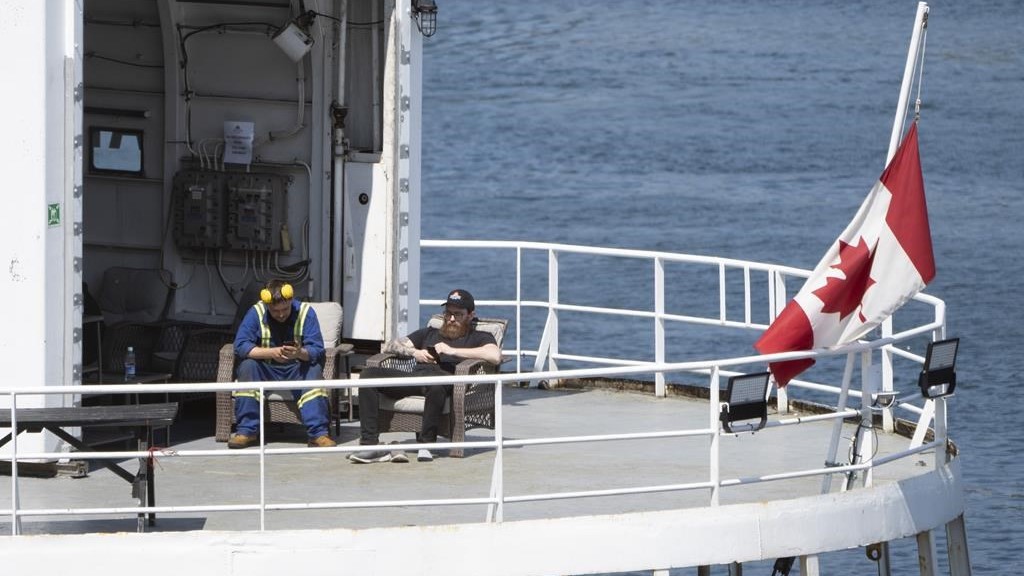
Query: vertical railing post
x=941 y=456
x=519 y=309
x=552 y=327
x=776 y=300
x=929 y=411
x=552 y=309
x=886 y=382
x=713 y=410
x=549 y=339
x=659 y=325
x=722 y=312
x=263 y=461
x=865 y=443
x=15 y=519
x=746 y=295
x=496 y=511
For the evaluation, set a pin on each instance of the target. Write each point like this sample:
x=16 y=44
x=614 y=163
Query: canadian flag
x=879 y=262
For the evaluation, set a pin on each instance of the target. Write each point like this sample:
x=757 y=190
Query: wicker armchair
x=279 y=407
x=195 y=348
x=471 y=405
x=134 y=303
x=199 y=357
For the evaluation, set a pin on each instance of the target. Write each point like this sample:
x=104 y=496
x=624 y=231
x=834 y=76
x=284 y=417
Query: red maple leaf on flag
x=844 y=295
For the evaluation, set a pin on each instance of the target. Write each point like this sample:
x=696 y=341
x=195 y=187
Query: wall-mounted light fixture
x=425 y=13
x=293 y=38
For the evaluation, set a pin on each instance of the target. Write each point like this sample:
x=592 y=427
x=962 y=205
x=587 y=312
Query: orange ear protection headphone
x=286 y=292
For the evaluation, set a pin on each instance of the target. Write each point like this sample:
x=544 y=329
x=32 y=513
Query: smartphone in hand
x=292 y=343
x=433 y=352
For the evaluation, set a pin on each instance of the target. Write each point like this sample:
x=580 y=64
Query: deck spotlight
x=746 y=399
x=293 y=38
x=884 y=399
x=938 y=378
x=425 y=13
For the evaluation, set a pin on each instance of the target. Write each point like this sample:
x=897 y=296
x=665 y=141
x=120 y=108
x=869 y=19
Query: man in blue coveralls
x=279 y=340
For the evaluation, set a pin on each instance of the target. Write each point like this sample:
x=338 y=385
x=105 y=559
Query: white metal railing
x=547 y=352
x=498 y=498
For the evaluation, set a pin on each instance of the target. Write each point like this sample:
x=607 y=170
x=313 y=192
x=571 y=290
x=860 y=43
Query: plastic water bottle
x=129 y=364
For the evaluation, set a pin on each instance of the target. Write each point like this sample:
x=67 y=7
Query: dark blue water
x=751 y=130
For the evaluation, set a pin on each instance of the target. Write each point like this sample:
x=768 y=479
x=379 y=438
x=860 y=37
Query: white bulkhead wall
x=40 y=156
x=382 y=200
x=44 y=265
x=365 y=254
x=238 y=74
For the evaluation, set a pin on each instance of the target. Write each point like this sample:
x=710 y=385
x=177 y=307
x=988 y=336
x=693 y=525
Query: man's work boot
x=242 y=441
x=322 y=442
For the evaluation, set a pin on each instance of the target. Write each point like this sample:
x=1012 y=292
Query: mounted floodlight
x=938 y=378
x=293 y=38
x=746 y=399
x=425 y=13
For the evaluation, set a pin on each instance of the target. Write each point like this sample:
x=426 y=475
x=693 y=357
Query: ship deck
x=325 y=475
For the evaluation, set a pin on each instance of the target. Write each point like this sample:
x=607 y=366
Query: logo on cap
x=460 y=298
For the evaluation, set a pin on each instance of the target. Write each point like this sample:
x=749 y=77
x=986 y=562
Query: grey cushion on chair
x=329 y=314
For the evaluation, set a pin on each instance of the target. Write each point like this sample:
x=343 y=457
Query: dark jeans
x=369 y=400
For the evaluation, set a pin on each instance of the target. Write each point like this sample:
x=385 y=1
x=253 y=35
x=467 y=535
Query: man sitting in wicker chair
x=436 y=352
x=279 y=340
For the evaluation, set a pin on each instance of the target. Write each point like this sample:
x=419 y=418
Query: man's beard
x=452 y=329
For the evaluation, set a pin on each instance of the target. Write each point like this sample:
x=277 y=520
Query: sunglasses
x=457 y=314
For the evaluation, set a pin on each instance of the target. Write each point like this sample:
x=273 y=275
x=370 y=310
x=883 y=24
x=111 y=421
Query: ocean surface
x=751 y=130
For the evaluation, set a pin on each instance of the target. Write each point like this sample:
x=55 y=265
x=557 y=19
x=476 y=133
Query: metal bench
x=141 y=419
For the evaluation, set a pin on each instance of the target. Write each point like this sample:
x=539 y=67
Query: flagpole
x=913 y=53
x=913 y=56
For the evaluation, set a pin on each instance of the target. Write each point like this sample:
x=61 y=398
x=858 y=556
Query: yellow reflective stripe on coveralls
x=301 y=322
x=261 y=313
x=312 y=394
x=299 y=325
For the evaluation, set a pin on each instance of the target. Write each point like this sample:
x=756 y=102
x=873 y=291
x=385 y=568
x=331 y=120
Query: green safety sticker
x=53 y=215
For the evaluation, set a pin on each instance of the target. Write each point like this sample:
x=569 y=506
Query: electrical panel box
x=199 y=209
x=257 y=211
